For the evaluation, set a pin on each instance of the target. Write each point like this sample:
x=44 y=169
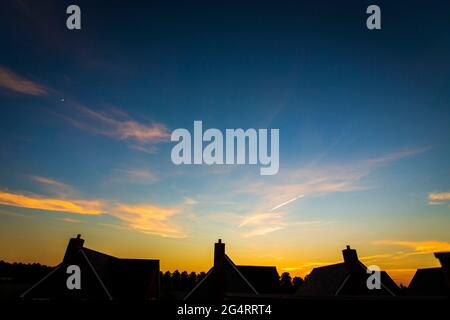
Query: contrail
x=285 y=203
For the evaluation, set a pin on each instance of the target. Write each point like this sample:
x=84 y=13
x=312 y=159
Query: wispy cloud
x=55 y=186
x=437 y=198
x=259 y=224
x=262 y=231
x=308 y=266
x=144 y=217
x=416 y=247
x=117 y=124
x=79 y=206
x=190 y=201
x=261 y=219
x=16 y=83
x=307 y=182
x=136 y=175
x=149 y=218
x=320 y=180
x=408 y=152
x=70 y=220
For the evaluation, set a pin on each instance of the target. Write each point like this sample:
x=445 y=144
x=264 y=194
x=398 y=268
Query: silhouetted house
x=348 y=278
x=102 y=277
x=432 y=281
x=225 y=279
x=428 y=282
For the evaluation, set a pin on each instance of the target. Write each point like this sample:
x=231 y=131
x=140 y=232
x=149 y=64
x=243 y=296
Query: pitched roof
x=102 y=277
x=339 y=280
x=428 y=282
x=234 y=281
x=263 y=279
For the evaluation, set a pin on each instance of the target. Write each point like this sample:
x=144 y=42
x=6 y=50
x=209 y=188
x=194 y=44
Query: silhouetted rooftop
x=428 y=282
x=103 y=277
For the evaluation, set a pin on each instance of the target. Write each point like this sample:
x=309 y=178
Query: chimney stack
x=219 y=254
x=219 y=270
x=74 y=245
x=350 y=257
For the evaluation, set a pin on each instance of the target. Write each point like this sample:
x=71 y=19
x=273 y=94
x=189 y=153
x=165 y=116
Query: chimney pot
x=350 y=258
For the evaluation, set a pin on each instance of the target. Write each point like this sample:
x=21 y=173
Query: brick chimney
x=350 y=258
x=74 y=245
x=219 y=270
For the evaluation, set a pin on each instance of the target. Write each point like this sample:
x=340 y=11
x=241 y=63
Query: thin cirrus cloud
x=147 y=218
x=260 y=224
x=11 y=81
x=114 y=123
x=134 y=176
x=54 y=186
x=117 y=124
x=415 y=247
x=79 y=206
x=293 y=184
x=436 y=198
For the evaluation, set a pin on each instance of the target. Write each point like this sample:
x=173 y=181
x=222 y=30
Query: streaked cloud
x=262 y=231
x=438 y=198
x=319 y=180
x=16 y=83
x=259 y=224
x=394 y=156
x=416 y=247
x=261 y=218
x=306 y=182
x=308 y=266
x=117 y=124
x=190 y=201
x=137 y=175
x=145 y=217
x=55 y=186
x=149 y=219
x=70 y=220
x=52 y=204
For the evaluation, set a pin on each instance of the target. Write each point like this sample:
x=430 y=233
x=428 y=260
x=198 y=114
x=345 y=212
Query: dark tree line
x=22 y=272
x=184 y=281
x=180 y=281
x=170 y=281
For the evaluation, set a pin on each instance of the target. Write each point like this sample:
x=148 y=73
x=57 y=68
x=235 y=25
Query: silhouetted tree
x=296 y=283
x=192 y=280
x=176 y=276
x=184 y=281
x=200 y=276
x=23 y=273
x=285 y=282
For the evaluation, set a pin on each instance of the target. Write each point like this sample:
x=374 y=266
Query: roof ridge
x=96 y=274
x=242 y=276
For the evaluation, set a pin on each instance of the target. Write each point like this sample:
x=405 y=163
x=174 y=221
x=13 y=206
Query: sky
x=86 y=117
